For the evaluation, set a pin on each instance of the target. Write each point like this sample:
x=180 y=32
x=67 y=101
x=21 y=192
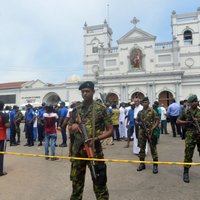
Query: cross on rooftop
x=135 y=21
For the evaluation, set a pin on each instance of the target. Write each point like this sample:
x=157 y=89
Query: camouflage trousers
x=191 y=141
x=77 y=176
x=142 y=140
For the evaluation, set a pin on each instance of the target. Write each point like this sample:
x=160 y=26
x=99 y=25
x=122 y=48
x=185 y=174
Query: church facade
x=137 y=66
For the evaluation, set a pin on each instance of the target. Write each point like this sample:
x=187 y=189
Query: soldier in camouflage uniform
x=98 y=126
x=17 y=120
x=190 y=118
x=148 y=120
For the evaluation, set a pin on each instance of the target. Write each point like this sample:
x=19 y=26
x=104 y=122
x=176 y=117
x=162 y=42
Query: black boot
x=141 y=165
x=186 y=177
x=155 y=168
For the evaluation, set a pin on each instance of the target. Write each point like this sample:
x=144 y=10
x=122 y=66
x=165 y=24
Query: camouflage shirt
x=149 y=117
x=18 y=117
x=100 y=118
x=187 y=116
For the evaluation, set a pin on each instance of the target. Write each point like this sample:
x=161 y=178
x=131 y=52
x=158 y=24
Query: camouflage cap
x=192 y=98
x=87 y=84
x=145 y=99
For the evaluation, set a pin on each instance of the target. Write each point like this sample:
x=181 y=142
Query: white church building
x=137 y=66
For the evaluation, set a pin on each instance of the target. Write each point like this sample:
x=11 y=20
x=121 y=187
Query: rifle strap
x=93 y=124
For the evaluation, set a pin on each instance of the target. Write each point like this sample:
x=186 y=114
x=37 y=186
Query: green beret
x=145 y=99
x=192 y=98
x=87 y=84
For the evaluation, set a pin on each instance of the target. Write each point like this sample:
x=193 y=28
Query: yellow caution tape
x=101 y=160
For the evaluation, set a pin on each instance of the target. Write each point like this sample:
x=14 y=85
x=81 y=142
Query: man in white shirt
x=138 y=107
x=122 y=125
x=163 y=119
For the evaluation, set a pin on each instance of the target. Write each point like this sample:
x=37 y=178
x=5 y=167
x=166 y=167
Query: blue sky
x=43 y=39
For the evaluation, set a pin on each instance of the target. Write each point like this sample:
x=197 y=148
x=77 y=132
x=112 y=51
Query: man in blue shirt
x=40 y=124
x=62 y=113
x=173 y=112
x=29 y=120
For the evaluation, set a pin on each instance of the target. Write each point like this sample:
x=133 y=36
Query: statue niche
x=136 y=58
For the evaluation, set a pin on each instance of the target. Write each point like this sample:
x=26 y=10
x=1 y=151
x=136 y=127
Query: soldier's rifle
x=88 y=147
x=196 y=124
x=146 y=130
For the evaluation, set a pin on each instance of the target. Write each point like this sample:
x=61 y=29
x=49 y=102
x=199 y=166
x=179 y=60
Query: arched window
x=187 y=37
x=95 y=44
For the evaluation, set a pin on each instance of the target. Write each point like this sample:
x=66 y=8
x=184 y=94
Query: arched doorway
x=165 y=98
x=112 y=99
x=139 y=95
x=51 y=98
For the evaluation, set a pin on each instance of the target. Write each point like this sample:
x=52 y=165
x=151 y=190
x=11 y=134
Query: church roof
x=136 y=35
x=12 y=85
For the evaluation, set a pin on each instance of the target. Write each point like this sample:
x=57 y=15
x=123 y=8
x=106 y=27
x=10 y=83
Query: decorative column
x=177 y=90
x=153 y=95
x=126 y=93
x=176 y=54
x=151 y=91
x=101 y=60
x=123 y=92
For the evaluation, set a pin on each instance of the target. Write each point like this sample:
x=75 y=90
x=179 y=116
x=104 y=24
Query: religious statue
x=136 y=58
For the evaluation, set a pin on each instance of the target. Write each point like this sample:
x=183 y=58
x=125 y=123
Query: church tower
x=185 y=30
x=95 y=38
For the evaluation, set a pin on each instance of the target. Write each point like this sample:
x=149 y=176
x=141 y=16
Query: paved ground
x=32 y=178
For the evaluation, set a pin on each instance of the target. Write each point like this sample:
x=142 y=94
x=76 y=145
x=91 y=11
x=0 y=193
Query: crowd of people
x=34 y=123
x=123 y=119
x=104 y=123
